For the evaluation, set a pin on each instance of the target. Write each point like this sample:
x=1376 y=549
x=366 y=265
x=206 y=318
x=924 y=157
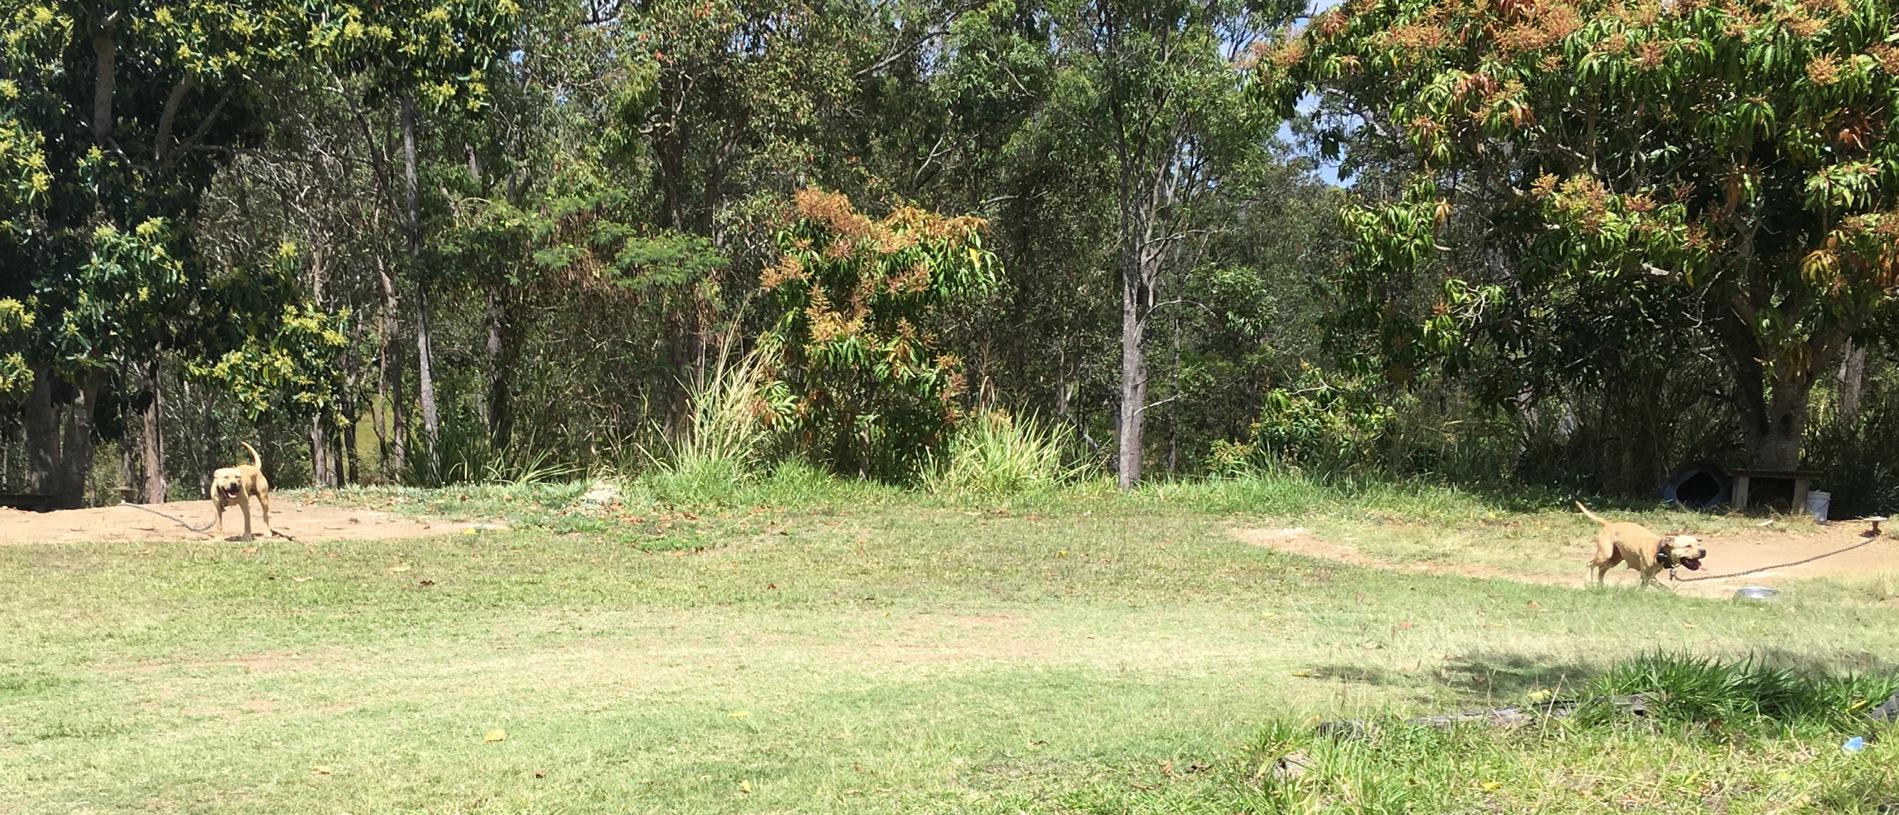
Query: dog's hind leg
x=1604 y=564
x=263 y=501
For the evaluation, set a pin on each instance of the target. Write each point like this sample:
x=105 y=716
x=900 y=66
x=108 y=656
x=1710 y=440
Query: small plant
x=998 y=454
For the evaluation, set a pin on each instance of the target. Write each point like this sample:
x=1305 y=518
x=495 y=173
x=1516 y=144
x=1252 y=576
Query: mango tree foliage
x=863 y=384
x=1738 y=151
x=293 y=370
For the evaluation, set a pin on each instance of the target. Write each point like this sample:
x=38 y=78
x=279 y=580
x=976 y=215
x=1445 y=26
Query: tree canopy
x=1731 y=151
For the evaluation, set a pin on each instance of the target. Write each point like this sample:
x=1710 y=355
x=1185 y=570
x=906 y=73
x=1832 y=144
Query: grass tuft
x=996 y=454
x=725 y=442
x=1746 y=693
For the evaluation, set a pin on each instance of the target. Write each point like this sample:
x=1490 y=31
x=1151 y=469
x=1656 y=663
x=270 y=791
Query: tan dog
x=1644 y=551
x=238 y=485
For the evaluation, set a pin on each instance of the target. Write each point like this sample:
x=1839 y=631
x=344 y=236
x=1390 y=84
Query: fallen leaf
x=745 y=787
x=1302 y=674
x=402 y=568
x=320 y=770
x=493 y=736
x=302 y=579
x=427 y=583
x=250 y=550
x=740 y=714
x=1492 y=786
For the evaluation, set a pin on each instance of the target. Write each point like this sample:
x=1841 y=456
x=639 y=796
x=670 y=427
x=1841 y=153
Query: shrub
x=865 y=386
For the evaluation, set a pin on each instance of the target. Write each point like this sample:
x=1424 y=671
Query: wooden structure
x=1749 y=484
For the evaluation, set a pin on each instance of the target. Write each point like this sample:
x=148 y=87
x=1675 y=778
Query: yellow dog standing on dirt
x=238 y=485
x=1644 y=551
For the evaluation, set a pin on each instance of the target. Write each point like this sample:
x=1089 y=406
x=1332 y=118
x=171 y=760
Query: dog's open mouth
x=229 y=491
x=1693 y=563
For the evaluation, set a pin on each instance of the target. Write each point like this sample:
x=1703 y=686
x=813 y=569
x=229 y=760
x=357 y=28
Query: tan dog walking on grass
x=1644 y=551
x=239 y=485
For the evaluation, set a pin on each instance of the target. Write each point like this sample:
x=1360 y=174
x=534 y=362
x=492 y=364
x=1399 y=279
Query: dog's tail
x=1592 y=516
x=258 y=461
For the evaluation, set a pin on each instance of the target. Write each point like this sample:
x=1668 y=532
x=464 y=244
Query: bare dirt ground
x=1564 y=565
x=167 y=522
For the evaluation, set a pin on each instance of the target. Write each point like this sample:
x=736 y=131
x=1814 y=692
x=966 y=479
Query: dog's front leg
x=218 y=502
x=244 y=503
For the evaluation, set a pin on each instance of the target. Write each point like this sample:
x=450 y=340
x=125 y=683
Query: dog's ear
x=1667 y=542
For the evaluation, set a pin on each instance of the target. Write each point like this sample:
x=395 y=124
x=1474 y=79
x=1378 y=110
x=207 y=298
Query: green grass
x=797 y=644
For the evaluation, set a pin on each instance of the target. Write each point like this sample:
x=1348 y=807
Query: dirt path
x=1726 y=554
x=165 y=522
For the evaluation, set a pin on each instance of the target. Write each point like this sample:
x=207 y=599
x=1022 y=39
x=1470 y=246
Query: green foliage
x=1317 y=424
x=1717 y=159
x=864 y=385
x=294 y=371
x=128 y=299
x=16 y=323
x=996 y=454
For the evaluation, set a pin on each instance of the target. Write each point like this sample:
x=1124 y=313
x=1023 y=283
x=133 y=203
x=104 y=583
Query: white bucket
x=1817 y=503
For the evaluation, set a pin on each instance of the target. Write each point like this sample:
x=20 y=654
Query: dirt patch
x=1766 y=550
x=167 y=522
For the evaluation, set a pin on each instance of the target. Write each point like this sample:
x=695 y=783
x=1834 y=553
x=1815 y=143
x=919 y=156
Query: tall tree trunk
x=152 y=487
x=322 y=469
x=1134 y=298
x=395 y=455
x=1773 y=413
x=75 y=446
x=1852 y=381
x=42 y=435
x=349 y=471
x=425 y=384
x=501 y=360
x=425 y=363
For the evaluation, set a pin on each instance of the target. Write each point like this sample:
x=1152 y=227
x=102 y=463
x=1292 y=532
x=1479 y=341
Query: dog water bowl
x=1757 y=593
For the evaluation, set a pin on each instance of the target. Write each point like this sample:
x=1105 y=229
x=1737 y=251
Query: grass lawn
x=839 y=649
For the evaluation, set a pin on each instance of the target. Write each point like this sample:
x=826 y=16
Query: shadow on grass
x=1476 y=676
x=1499 y=678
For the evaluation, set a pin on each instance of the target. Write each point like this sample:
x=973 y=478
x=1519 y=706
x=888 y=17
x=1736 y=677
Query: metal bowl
x=1757 y=593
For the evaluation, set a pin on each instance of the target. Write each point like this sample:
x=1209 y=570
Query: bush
x=867 y=385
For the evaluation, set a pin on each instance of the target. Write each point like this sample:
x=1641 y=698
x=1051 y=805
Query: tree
x=1149 y=84
x=1727 y=157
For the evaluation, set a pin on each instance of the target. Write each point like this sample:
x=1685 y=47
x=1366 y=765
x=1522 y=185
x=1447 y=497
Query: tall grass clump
x=1693 y=690
x=994 y=453
x=726 y=440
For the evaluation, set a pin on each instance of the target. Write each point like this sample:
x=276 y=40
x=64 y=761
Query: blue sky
x=1328 y=170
